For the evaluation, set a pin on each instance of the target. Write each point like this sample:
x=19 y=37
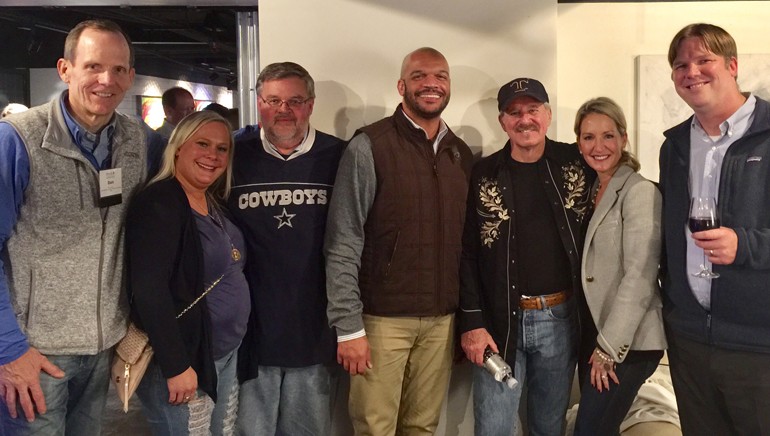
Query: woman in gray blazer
x=622 y=337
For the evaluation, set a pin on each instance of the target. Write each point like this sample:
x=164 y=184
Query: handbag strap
x=216 y=282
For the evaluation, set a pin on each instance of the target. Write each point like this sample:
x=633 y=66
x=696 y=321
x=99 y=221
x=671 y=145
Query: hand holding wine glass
x=703 y=216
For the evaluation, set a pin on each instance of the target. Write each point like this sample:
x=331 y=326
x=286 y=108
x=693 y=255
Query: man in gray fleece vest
x=67 y=169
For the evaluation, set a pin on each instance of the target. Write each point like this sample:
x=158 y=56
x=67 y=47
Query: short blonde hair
x=186 y=128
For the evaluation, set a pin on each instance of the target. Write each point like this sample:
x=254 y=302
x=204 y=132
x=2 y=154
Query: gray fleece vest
x=65 y=256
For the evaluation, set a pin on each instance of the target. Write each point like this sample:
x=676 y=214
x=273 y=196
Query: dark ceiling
x=195 y=43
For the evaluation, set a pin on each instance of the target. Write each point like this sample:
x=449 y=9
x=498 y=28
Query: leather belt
x=544 y=301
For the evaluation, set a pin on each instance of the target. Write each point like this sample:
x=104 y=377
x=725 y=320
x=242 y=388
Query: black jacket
x=740 y=298
x=165 y=266
x=489 y=294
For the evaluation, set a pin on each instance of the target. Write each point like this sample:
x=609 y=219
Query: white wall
x=46 y=84
x=354 y=48
x=587 y=50
x=598 y=45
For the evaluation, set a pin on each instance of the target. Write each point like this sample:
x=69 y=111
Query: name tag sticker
x=110 y=187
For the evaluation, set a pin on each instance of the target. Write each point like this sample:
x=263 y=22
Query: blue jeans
x=75 y=403
x=601 y=413
x=286 y=401
x=546 y=354
x=201 y=416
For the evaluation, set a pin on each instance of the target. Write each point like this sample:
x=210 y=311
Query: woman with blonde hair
x=186 y=282
x=622 y=338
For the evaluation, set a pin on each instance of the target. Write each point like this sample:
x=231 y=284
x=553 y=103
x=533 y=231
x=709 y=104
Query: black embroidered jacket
x=489 y=293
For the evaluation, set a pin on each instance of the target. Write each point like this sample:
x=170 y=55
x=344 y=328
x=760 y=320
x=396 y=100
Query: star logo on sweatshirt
x=284 y=219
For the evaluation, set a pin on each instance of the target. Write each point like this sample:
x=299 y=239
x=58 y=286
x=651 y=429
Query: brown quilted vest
x=410 y=261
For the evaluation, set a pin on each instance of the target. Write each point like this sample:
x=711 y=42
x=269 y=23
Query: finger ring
x=604 y=377
x=711 y=253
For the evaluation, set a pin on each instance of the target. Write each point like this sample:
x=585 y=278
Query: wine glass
x=703 y=216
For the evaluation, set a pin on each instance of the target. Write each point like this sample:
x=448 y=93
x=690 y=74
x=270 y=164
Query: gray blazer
x=620 y=266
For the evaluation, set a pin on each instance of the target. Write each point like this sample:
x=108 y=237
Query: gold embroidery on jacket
x=575 y=186
x=494 y=213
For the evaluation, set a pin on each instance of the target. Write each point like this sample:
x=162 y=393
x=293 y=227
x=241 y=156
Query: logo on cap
x=522 y=86
x=519 y=85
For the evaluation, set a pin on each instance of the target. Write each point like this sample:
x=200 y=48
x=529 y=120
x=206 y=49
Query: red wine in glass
x=699 y=224
x=703 y=216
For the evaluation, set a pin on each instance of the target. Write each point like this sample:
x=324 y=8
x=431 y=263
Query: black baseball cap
x=519 y=88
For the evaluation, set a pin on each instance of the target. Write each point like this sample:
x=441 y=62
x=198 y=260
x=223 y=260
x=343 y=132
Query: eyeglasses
x=293 y=103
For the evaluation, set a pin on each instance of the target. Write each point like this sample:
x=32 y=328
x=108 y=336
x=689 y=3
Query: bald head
x=426 y=52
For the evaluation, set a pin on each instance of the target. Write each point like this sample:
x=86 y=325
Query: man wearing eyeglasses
x=392 y=252
x=283 y=176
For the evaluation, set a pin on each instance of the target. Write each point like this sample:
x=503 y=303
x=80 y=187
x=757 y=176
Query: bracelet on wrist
x=606 y=361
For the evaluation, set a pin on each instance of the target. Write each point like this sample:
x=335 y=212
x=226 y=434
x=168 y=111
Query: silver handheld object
x=500 y=370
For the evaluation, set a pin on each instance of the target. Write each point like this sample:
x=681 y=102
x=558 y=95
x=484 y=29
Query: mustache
x=525 y=127
x=429 y=90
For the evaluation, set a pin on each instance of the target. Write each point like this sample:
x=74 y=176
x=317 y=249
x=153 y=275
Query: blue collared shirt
x=96 y=147
x=706 y=156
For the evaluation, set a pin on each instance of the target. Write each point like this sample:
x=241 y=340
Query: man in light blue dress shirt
x=718 y=328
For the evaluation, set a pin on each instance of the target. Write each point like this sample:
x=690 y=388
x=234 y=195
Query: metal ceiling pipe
x=247 y=44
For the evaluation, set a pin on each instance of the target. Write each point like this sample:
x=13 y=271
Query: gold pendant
x=236 y=255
